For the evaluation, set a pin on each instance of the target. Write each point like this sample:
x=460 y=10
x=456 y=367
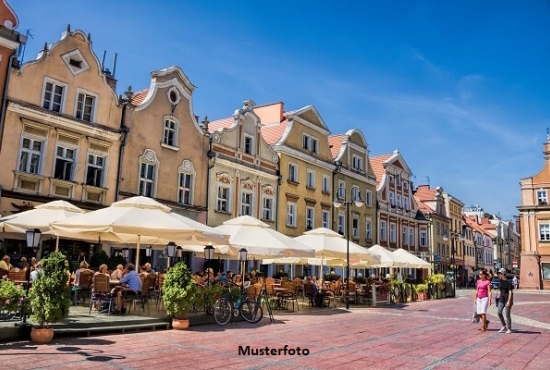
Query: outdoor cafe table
x=114 y=282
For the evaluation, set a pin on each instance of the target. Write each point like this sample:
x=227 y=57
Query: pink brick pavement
x=423 y=335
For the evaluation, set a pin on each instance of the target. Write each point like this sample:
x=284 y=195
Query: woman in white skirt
x=483 y=298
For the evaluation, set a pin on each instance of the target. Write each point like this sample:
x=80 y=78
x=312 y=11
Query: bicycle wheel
x=251 y=311
x=222 y=311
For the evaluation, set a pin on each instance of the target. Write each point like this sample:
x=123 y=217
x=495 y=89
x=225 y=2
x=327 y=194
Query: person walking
x=515 y=282
x=505 y=301
x=483 y=299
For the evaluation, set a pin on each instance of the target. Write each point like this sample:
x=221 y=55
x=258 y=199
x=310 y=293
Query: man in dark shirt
x=505 y=301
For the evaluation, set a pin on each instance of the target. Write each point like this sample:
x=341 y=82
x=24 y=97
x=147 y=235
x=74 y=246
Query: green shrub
x=421 y=288
x=360 y=280
x=281 y=274
x=332 y=276
x=114 y=261
x=179 y=291
x=98 y=259
x=438 y=280
x=10 y=296
x=50 y=296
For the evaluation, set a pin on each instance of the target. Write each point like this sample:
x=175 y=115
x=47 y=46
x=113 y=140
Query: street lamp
x=243 y=255
x=171 y=252
x=539 y=257
x=148 y=252
x=126 y=254
x=348 y=204
x=208 y=255
x=454 y=238
x=33 y=240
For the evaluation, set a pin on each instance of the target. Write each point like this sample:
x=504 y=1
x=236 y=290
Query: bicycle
x=250 y=310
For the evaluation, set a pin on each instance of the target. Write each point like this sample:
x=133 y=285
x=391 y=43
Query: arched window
x=148 y=173
x=186 y=182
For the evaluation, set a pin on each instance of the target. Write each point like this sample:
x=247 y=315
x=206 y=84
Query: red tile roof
x=377 y=165
x=272 y=133
x=474 y=225
x=335 y=144
x=422 y=207
x=220 y=123
x=138 y=97
x=424 y=193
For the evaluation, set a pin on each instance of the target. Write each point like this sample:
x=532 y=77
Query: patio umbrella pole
x=57 y=244
x=137 y=252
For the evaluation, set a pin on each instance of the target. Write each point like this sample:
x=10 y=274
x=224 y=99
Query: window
x=398 y=200
x=246 y=203
x=405 y=184
x=404 y=235
x=325 y=219
x=291 y=214
x=398 y=180
x=341 y=189
x=423 y=239
x=292 y=172
x=248 y=144
x=393 y=235
x=357 y=162
x=223 y=198
x=310 y=143
x=85 y=107
x=170 y=136
x=355 y=227
x=406 y=203
x=368 y=198
x=341 y=224
x=368 y=230
x=437 y=228
x=146 y=179
x=310 y=218
x=383 y=230
x=326 y=184
x=355 y=196
x=544 y=232
x=411 y=237
x=392 y=199
x=310 y=179
x=392 y=180
x=542 y=197
x=53 y=97
x=64 y=163
x=267 y=208
x=30 y=156
x=545 y=271
x=95 y=170
x=185 y=188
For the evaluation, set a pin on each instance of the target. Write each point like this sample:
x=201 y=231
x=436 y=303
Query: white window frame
x=368 y=198
x=250 y=206
x=30 y=152
x=310 y=178
x=542 y=196
x=423 y=238
x=341 y=225
x=89 y=165
x=252 y=147
x=292 y=169
x=291 y=214
x=310 y=217
x=392 y=199
x=355 y=226
x=383 y=230
x=74 y=161
x=406 y=204
x=310 y=143
x=405 y=235
x=368 y=229
x=398 y=200
x=175 y=130
x=393 y=232
x=544 y=231
x=357 y=162
x=225 y=201
x=267 y=209
x=355 y=193
x=148 y=157
x=326 y=184
x=325 y=219
x=94 y=108
x=341 y=191
x=411 y=237
x=63 y=96
x=146 y=180
x=182 y=189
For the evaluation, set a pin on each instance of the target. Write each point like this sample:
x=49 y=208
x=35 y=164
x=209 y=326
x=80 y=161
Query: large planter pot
x=180 y=324
x=41 y=335
x=422 y=296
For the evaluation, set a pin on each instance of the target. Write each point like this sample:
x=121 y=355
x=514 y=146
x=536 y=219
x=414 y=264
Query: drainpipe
x=126 y=103
x=279 y=182
x=211 y=154
x=5 y=97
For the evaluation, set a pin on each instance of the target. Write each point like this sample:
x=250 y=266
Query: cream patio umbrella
x=332 y=262
x=414 y=261
x=387 y=258
x=329 y=244
x=128 y=220
x=41 y=217
x=260 y=240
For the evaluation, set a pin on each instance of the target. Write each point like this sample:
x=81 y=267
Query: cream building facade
x=453 y=208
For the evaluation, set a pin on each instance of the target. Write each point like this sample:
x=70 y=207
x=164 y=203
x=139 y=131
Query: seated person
x=222 y=278
x=130 y=283
x=142 y=271
x=83 y=267
x=148 y=268
x=5 y=265
x=37 y=269
x=23 y=264
x=102 y=271
x=117 y=274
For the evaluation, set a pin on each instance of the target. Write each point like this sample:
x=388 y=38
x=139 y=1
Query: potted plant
x=179 y=292
x=11 y=297
x=49 y=297
x=422 y=292
x=332 y=276
x=281 y=274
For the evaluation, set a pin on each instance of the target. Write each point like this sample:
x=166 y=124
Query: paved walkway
x=422 y=335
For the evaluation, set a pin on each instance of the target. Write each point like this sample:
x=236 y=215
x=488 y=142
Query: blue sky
x=460 y=88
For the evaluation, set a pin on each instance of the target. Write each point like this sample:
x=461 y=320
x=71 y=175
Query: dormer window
x=75 y=62
x=357 y=163
x=248 y=145
x=310 y=143
x=542 y=197
x=170 y=134
x=85 y=106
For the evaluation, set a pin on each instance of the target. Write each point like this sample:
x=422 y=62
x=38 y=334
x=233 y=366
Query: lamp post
x=171 y=252
x=538 y=257
x=33 y=239
x=148 y=252
x=208 y=255
x=243 y=255
x=348 y=204
x=454 y=237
